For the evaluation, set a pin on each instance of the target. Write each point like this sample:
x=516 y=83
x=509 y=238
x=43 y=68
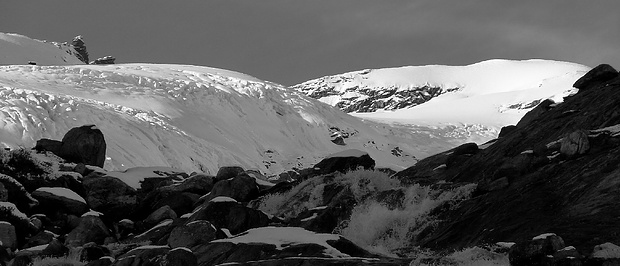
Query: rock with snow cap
x=345 y=161
x=535 y=251
x=60 y=199
x=161 y=214
x=604 y=255
x=157 y=234
x=230 y=215
x=596 y=76
x=85 y=144
x=227 y=172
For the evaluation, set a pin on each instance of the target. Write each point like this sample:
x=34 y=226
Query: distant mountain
x=491 y=93
x=17 y=49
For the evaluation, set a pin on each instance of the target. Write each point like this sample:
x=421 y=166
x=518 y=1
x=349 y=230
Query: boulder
x=90 y=229
x=227 y=172
x=181 y=256
x=345 y=161
x=92 y=252
x=158 y=234
x=197 y=184
x=143 y=256
x=576 y=143
x=229 y=214
x=11 y=214
x=535 y=251
x=110 y=195
x=180 y=202
x=505 y=131
x=60 y=199
x=125 y=227
x=163 y=213
x=15 y=192
x=42 y=238
x=192 y=234
x=566 y=256
x=50 y=145
x=607 y=254
x=84 y=144
x=595 y=76
x=8 y=236
x=461 y=153
x=242 y=188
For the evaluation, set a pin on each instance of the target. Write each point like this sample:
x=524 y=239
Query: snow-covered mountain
x=17 y=49
x=189 y=117
x=490 y=94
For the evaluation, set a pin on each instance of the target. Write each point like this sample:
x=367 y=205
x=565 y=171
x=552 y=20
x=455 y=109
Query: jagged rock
x=42 y=238
x=60 y=199
x=163 y=213
x=242 y=188
x=345 y=161
x=90 y=229
x=92 y=251
x=506 y=130
x=229 y=214
x=180 y=256
x=535 y=113
x=106 y=60
x=534 y=252
x=16 y=193
x=191 y=234
x=142 y=256
x=84 y=144
x=576 y=143
x=227 y=172
x=110 y=195
x=8 y=236
x=80 y=48
x=595 y=76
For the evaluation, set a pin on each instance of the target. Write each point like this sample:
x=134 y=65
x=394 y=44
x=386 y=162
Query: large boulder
x=84 y=144
x=595 y=76
x=90 y=229
x=242 y=188
x=535 y=113
x=534 y=252
x=226 y=213
x=14 y=192
x=161 y=214
x=192 y=234
x=197 y=184
x=8 y=236
x=345 y=161
x=227 y=172
x=110 y=195
x=158 y=234
x=60 y=199
x=605 y=254
x=576 y=143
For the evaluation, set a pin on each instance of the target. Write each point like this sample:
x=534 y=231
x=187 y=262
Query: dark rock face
x=596 y=76
x=535 y=113
x=80 y=48
x=531 y=188
x=345 y=161
x=506 y=130
x=110 y=195
x=84 y=144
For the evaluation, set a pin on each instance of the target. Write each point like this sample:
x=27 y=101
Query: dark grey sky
x=290 y=41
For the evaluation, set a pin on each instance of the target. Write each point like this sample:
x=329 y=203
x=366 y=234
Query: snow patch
x=543 y=236
x=223 y=199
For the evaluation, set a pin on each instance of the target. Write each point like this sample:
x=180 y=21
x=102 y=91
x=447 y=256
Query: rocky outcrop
x=531 y=184
x=106 y=60
x=60 y=199
x=80 y=48
x=345 y=161
x=596 y=76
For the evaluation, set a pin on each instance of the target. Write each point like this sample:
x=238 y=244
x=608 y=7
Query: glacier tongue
x=188 y=117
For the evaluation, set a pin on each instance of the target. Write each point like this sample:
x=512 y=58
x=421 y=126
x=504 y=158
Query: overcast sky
x=290 y=41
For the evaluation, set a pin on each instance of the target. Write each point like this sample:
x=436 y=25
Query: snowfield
x=188 y=117
x=17 y=49
x=478 y=99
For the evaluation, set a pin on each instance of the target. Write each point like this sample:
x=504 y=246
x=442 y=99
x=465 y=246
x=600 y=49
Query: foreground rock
x=345 y=161
x=85 y=144
x=226 y=213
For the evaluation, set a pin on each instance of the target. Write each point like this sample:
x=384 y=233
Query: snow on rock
x=607 y=251
x=282 y=237
x=223 y=199
x=92 y=213
x=543 y=236
x=17 y=49
x=62 y=192
x=12 y=209
x=187 y=117
x=134 y=176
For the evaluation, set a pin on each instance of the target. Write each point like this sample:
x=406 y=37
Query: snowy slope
x=490 y=94
x=189 y=117
x=17 y=49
